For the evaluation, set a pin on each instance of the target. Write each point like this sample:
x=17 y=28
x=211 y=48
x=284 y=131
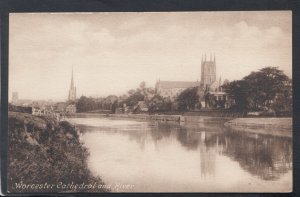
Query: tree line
x=153 y=101
x=266 y=89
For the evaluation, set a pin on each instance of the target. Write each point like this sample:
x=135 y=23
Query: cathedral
x=208 y=71
x=72 y=91
x=208 y=81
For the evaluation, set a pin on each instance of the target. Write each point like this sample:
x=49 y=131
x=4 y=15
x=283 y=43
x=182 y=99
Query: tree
x=131 y=92
x=142 y=85
x=210 y=100
x=85 y=104
x=110 y=101
x=188 y=99
x=167 y=106
x=134 y=99
x=283 y=101
x=265 y=84
x=156 y=103
x=159 y=104
x=239 y=90
x=114 y=106
x=258 y=90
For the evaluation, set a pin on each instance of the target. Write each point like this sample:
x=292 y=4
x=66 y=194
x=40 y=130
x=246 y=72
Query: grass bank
x=159 y=117
x=47 y=156
x=271 y=126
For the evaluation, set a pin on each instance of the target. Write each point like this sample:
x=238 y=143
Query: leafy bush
x=46 y=152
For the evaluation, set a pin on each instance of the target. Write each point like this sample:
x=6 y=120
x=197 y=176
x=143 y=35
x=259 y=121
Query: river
x=149 y=156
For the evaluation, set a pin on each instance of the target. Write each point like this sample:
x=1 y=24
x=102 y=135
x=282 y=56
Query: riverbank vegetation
x=267 y=91
x=44 y=151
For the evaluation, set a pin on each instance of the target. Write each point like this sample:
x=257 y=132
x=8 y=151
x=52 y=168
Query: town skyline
x=113 y=52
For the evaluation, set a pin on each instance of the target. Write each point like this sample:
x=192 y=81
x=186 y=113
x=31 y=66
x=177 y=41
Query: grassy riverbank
x=47 y=156
x=158 y=117
x=270 y=126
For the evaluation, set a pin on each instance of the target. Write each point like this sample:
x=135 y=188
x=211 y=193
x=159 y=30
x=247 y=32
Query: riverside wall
x=273 y=126
x=158 y=117
x=270 y=126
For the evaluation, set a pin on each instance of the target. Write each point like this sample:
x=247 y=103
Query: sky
x=112 y=53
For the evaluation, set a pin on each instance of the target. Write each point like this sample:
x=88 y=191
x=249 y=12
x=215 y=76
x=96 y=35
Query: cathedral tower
x=72 y=91
x=208 y=71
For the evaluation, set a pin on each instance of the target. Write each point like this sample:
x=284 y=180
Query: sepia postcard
x=150 y=102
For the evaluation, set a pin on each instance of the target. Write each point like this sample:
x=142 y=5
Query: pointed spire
x=210 y=59
x=72 y=91
x=220 y=84
x=214 y=57
x=202 y=59
x=205 y=57
x=72 y=81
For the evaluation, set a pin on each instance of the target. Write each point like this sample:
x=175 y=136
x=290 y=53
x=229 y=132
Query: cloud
x=120 y=49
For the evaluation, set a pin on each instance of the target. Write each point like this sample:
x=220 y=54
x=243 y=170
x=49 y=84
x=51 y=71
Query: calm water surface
x=173 y=157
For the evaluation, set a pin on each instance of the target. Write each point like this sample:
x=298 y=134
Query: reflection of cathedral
x=266 y=157
x=207 y=158
x=263 y=157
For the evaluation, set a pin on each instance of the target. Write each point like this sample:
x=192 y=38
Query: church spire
x=220 y=84
x=72 y=91
x=72 y=80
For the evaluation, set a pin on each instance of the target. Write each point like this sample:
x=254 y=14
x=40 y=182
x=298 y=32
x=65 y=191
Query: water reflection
x=207 y=157
x=157 y=156
x=265 y=156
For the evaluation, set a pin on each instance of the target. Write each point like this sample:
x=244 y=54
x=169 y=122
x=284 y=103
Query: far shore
x=158 y=117
x=263 y=125
x=270 y=126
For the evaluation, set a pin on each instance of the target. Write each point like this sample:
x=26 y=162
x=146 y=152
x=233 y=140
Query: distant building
x=60 y=107
x=119 y=110
x=70 y=109
x=208 y=71
x=141 y=107
x=45 y=111
x=23 y=102
x=172 y=89
x=15 y=97
x=72 y=91
x=36 y=111
x=208 y=84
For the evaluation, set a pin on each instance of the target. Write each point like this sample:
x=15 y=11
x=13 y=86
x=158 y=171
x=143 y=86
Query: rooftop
x=178 y=84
